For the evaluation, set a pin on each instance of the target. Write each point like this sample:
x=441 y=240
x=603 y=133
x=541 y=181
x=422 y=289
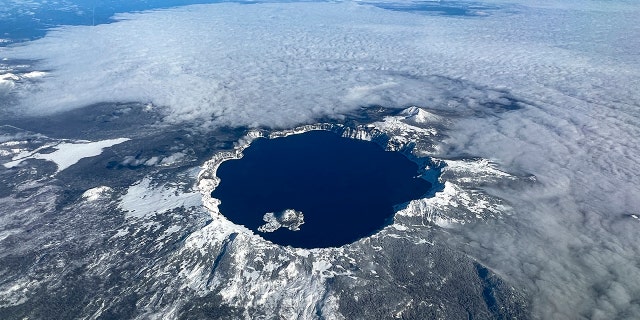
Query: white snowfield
x=144 y=199
x=67 y=154
x=96 y=193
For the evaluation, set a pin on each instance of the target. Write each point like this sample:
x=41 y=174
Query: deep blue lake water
x=345 y=188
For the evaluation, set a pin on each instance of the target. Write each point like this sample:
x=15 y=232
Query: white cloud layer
x=571 y=240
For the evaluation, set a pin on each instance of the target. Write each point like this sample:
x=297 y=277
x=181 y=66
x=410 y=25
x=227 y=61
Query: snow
x=96 y=193
x=399 y=227
x=67 y=154
x=144 y=199
x=7 y=233
x=120 y=233
x=421 y=116
x=322 y=267
x=402 y=129
x=455 y=204
x=17 y=292
x=289 y=218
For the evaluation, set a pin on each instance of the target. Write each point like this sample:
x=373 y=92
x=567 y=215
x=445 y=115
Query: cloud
x=550 y=91
x=205 y=64
x=278 y=67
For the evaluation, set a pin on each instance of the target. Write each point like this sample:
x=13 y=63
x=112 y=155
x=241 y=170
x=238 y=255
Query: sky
x=569 y=70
